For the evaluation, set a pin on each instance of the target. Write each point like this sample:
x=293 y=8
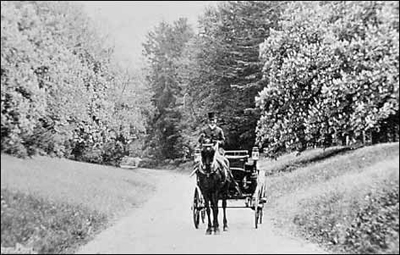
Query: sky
x=128 y=22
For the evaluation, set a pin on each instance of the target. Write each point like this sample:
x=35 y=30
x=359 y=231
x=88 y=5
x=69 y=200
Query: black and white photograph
x=200 y=127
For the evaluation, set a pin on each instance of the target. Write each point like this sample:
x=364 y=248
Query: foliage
x=59 y=86
x=284 y=75
x=163 y=48
x=221 y=68
x=330 y=71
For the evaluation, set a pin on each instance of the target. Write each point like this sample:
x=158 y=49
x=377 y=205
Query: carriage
x=251 y=180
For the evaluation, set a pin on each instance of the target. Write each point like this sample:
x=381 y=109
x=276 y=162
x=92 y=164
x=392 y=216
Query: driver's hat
x=212 y=116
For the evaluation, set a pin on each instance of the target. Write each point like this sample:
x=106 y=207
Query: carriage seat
x=237 y=159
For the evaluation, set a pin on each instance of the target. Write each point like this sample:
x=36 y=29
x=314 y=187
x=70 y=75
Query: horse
x=214 y=182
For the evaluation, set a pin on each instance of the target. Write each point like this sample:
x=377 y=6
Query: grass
x=348 y=203
x=46 y=227
x=346 y=200
x=53 y=204
x=292 y=161
x=184 y=168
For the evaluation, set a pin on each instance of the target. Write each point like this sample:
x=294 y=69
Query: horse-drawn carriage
x=248 y=176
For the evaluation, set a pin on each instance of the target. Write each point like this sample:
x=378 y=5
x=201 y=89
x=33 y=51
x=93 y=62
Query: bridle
x=208 y=148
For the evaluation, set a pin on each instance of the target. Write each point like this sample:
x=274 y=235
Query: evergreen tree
x=163 y=48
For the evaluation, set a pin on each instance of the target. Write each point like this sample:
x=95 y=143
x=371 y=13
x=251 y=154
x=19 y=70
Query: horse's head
x=208 y=150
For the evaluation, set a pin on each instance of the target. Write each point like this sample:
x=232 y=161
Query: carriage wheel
x=202 y=208
x=258 y=206
x=258 y=218
x=195 y=209
x=256 y=211
x=262 y=195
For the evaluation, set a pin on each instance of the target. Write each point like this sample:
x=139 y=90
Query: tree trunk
x=363 y=137
x=374 y=137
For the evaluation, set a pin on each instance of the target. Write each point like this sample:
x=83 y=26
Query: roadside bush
x=45 y=142
x=113 y=153
x=14 y=146
x=92 y=156
x=148 y=163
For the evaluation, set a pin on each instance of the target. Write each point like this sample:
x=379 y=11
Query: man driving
x=216 y=134
x=212 y=131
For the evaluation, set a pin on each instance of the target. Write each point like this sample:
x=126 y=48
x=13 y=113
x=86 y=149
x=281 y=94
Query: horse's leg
x=214 y=204
x=225 y=228
x=207 y=204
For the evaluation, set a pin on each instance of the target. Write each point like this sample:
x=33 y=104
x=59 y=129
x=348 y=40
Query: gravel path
x=164 y=225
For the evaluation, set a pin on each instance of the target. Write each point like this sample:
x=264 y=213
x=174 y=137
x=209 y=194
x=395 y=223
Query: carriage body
x=245 y=172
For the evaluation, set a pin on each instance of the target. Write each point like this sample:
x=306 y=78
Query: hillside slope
x=349 y=202
x=52 y=205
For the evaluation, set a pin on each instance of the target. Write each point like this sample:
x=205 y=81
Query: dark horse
x=214 y=182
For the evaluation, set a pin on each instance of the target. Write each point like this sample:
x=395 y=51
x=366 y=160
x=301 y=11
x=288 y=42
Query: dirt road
x=164 y=225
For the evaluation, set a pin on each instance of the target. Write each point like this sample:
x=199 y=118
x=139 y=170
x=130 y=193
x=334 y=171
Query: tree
x=57 y=84
x=163 y=49
x=224 y=65
x=329 y=72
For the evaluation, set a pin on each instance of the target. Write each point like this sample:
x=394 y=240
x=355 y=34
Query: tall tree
x=225 y=68
x=163 y=48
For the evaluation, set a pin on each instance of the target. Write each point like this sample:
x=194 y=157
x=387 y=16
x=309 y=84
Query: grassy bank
x=349 y=202
x=292 y=161
x=43 y=226
x=53 y=205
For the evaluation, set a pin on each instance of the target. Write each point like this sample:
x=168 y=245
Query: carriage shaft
x=232 y=206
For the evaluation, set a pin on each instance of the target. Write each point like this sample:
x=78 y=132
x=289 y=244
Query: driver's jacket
x=215 y=134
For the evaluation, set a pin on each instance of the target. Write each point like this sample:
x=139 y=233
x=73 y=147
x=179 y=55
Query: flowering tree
x=330 y=71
